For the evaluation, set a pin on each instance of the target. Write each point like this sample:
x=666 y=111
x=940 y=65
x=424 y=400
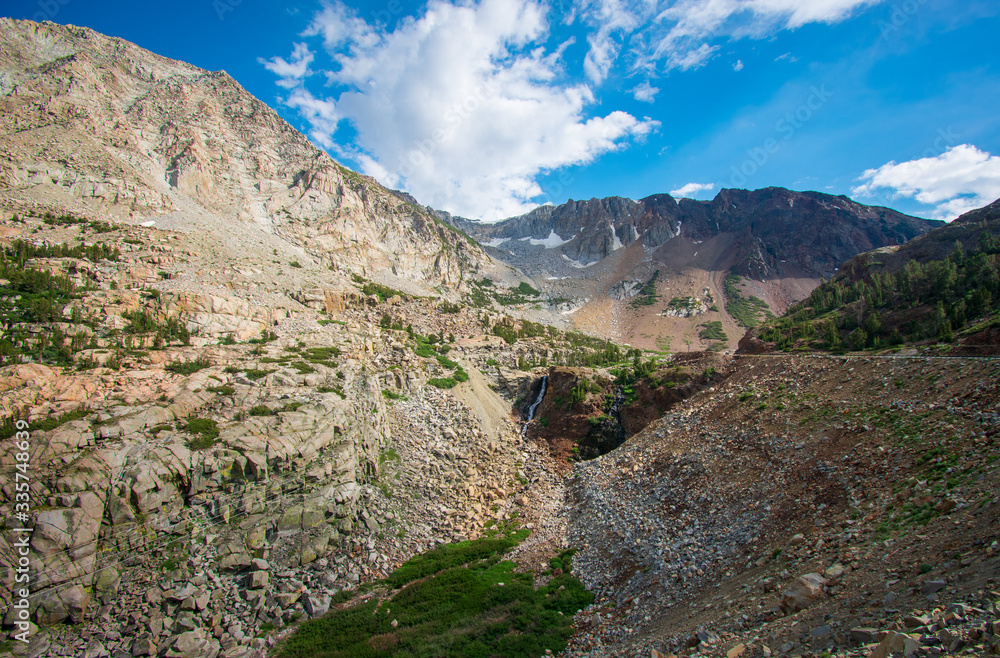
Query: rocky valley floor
x=800 y=506
x=199 y=496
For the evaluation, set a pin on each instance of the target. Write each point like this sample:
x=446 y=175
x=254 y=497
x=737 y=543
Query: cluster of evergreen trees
x=921 y=301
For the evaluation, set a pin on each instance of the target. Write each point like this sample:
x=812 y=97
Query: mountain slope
x=97 y=125
x=939 y=287
x=600 y=253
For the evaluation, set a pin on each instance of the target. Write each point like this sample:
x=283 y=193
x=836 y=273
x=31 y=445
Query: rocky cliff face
x=775 y=232
x=219 y=446
x=101 y=126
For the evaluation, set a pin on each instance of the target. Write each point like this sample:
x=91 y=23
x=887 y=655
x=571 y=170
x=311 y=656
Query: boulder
x=806 y=590
x=193 y=644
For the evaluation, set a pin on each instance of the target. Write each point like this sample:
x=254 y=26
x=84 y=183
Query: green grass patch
x=256 y=373
x=456 y=600
x=647 y=294
x=382 y=292
x=712 y=331
x=206 y=432
x=260 y=410
x=8 y=426
x=746 y=311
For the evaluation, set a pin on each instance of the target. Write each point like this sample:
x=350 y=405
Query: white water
x=534 y=405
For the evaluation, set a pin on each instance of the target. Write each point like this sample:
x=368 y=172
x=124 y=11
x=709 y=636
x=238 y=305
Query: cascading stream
x=534 y=405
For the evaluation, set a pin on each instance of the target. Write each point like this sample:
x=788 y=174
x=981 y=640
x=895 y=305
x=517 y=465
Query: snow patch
x=496 y=242
x=577 y=264
x=618 y=243
x=551 y=242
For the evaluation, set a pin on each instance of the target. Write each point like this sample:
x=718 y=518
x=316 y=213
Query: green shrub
x=206 y=432
x=260 y=410
x=254 y=374
x=188 y=367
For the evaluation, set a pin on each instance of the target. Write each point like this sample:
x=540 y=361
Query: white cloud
x=961 y=179
x=290 y=72
x=677 y=34
x=689 y=190
x=459 y=106
x=645 y=92
x=738 y=66
x=320 y=113
x=613 y=19
x=686 y=60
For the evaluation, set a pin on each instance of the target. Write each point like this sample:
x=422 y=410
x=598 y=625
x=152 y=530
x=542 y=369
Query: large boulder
x=193 y=644
x=802 y=593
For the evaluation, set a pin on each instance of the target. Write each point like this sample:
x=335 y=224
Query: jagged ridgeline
x=943 y=287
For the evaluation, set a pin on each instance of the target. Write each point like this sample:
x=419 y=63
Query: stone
x=834 y=572
x=287 y=599
x=107 y=580
x=290 y=519
x=317 y=606
x=95 y=650
x=143 y=645
x=736 y=651
x=235 y=562
x=806 y=590
x=896 y=644
x=307 y=555
x=916 y=621
x=312 y=518
x=193 y=644
x=259 y=580
x=863 y=635
x=932 y=586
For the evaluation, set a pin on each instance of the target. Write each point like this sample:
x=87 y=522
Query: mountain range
x=274 y=408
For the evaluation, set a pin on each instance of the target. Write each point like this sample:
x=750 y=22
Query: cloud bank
x=468 y=105
x=961 y=179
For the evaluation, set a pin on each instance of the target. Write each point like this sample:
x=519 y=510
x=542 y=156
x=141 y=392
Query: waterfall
x=534 y=405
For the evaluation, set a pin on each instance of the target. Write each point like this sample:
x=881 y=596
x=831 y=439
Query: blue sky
x=487 y=108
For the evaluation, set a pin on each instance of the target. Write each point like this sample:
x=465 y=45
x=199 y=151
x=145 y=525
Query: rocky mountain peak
x=99 y=125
